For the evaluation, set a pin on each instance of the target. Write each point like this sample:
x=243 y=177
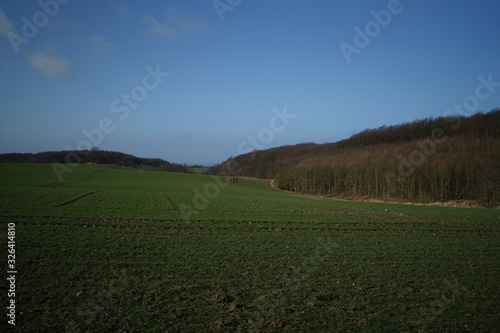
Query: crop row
x=197 y=276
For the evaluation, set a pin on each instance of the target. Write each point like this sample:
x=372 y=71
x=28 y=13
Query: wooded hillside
x=94 y=156
x=448 y=158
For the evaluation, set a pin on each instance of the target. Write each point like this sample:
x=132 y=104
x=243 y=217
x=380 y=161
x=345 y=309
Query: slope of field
x=112 y=249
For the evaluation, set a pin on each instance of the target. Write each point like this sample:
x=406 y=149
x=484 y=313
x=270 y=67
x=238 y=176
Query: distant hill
x=442 y=159
x=94 y=156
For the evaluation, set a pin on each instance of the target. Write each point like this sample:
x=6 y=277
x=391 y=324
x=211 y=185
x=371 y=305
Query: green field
x=118 y=250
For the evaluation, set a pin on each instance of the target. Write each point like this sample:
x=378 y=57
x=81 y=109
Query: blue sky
x=233 y=66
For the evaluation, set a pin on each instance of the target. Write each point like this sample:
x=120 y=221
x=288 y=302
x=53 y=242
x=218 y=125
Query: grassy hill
x=121 y=249
x=443 y=159
x=113 y=249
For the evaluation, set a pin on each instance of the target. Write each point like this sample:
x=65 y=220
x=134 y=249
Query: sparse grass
x=110 y=250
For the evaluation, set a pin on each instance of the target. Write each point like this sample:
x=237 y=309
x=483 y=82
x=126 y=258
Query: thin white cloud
x=5 y=25
x=50 y=65
x=46 y=61
x=174 y=24
x=160 y=29
x=178 y=16
x=101 y=42
x=194 y=25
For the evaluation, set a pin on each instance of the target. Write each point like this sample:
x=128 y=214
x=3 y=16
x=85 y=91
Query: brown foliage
x=448 y=158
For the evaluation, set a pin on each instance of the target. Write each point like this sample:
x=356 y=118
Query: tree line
x=95 y=156
x=442 y=159
x=462 y=168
